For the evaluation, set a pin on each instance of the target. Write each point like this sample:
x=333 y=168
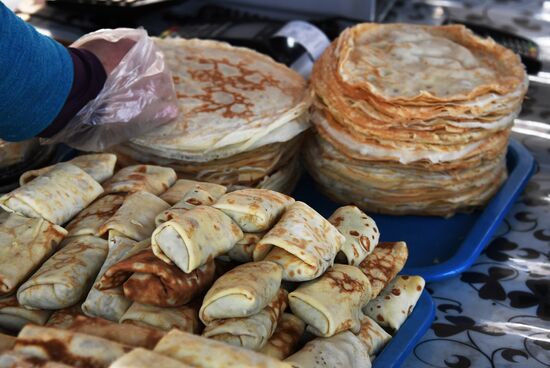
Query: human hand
x=137 y=97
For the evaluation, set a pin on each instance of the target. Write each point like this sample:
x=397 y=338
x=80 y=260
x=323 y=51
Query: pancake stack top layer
x=241 y=116
x=413 y=119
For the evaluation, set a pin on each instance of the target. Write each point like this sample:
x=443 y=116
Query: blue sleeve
x=36 y=75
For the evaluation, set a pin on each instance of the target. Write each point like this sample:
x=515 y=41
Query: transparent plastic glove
x=138 y=95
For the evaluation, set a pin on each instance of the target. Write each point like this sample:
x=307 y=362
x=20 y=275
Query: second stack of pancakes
x=413 y=119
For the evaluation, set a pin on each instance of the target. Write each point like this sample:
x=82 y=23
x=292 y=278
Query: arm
x=42 y=84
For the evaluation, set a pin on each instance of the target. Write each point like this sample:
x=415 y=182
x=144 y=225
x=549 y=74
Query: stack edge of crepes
x=413 y=132
x=154 y=260
x=241 y=120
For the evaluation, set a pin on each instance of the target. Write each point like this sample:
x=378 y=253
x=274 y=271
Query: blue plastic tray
x=406 y=338
x=441 y=248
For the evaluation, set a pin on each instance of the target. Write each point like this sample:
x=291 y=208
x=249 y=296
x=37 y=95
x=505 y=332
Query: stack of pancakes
x=241 y=120
x=413 y=119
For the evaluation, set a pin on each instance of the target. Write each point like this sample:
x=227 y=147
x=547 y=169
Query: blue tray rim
x=491 y=217
x=410 y=333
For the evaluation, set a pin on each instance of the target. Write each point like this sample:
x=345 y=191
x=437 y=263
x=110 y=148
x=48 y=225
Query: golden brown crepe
x=131 y=335
x=359 y=230
x=332 y=303
x=13 y=316
x=143 y=358
x=148 y=280
x=341 y=350
x=286 y=337
x=396 y=302
x=56 y=196
x=242 y=292
x=383 y=264
x=250 y=332
x=243 y=251
x=111 y=303
x=131 y=179
x=306 y=235
x=68 y=347
x=372 y=335
x=90 y=220
x=66 y=277
x=135 y=219
x=99 y=166
x=254 y=210
x=183 y=186
x=24 y=244
x=200 y=352
x=184 y=318
x=194 y=237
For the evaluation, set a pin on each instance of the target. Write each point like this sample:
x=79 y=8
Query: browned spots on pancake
x=365 y=242
x=383 y=264
x=337 y=221
x=418 y=287
x=396 y=292
x=194 y=201
x=215 y=81
x=141 y=169
x=410 y=309
x=380 y=318
x=344 y=282
x=405 y=277
x=354 y=233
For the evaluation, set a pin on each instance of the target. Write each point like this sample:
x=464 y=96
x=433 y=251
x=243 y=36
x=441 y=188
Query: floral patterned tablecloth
x=497 y=313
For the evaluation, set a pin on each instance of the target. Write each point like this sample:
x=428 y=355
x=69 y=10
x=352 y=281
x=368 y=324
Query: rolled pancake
x=100 y=166
x=24 y=244
x=242 y=292
x=90 y=220
x=150 y=178
x=286 y=337
x=13 y=316
x=184 y=318
x=68 y=347
x=143 y=358
x=341 y=350
x=6 y=342
x=383 y=264
x=243 y=251
x=254 y=210
x=194 y=237
x=56 y=196
x=332 y=303
x=195 y=197
x=148 y=280
x=201 y=352
x=359 y=230
x=135 y=219
x=65 y=278
x=15 y=359
x=131 y=335
x=181 y=187
x=396 y=302
x=111 y=303
x=372 y=335
x=251 y=332
x=305 y=234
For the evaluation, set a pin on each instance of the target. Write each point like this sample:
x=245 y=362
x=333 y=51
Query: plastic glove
x=138 y=95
